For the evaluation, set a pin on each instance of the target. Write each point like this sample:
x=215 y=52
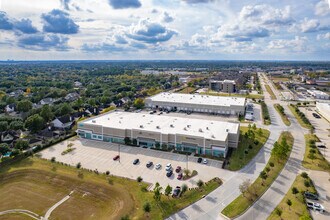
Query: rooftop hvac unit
x=227 y=130
x=141 y=126
x=185 y=128
x=200 y=130
x=207 y=128
x=172 y=126
x=93 y=121
x=213 y=136
x=157 y=127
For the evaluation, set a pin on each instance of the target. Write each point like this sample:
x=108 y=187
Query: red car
x=179 y=176
x=178 y=169
x=116 y=157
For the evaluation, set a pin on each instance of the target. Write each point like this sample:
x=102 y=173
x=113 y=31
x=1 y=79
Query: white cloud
x=311 y=25
x=322 y=8
x=298 y=44
x=325 y=36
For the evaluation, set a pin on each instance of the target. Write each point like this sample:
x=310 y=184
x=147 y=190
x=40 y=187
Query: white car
x=168 y=168
x=158 y=166
x=205 y=161
x=168 y=165
x=315 y=206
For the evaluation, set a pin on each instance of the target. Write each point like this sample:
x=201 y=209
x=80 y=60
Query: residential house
x=10 y=108
x=9 y=137
x=16 y=93
x=71 y=97
x=47 y=101
x=64 y=122
x=77 y=84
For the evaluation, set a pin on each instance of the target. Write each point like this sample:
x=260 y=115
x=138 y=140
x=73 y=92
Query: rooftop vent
x=213 y=136
x=227 y=130
x=207 y=128
x=200 y=130
x=157 y=127
x=188 y=126
x=185 y=128
x=172 y=126
x=141 y=126
x=93 y=121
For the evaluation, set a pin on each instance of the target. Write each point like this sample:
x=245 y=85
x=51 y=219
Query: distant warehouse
x=198 y=103
x=154 y=131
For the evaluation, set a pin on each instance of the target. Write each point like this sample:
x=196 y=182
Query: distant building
x=64 y=122
x=249 y=112
x=10 y=108
x=16 y=93
x=184 y=79
x=317 y=94
x=72 y=97
x=228 y=86
x=47 y=101
x=323 y=109
x=197 y=103
x=77 y=84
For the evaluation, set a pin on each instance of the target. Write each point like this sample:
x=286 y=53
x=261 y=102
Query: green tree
x=263 y=176
x=34 y=123
x=139 y=103
x=168 y=190
x=16 y=125
x=289 y=202
x=200 y=183
x=24 y=106
x=4 y=148
x=294 y=190
x=65 y=109
x=46 y=113
x=146 y=207
x=22 y=145
x=184 y=188
x=157 y=192
x=278 y=212
x=3 y=126
x=243 y=187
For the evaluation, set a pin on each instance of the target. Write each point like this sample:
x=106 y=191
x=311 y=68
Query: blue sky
x=165 y=29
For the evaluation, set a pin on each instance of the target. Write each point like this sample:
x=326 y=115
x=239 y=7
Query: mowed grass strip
x=249 y=96
x=298 y=206
x=304 y=124
x=259 y=186
x=248 y=147
x=187 y=90
x=37 y=184
x=270 y=91
x=313 y=159
x=284 y=117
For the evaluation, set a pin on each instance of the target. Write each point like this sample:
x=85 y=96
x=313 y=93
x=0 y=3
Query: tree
x=184 y=188
x=289 y=203
x=200 y=183
x=21 y=145
x=46 y=113
x=147 y=207
x=3 y=126
x=263 y=176
x=139 y=103
x=157 y=193
x=304 y=175
x=254 y=127
x=260 y=132
x=243 y=187
x=186 y=172
x=4 y=148
x=65 y=109
x=168 y=190
x=34 y=123
x=24 y=106
x=16 y=125
x=278 y=212
x=294 y=190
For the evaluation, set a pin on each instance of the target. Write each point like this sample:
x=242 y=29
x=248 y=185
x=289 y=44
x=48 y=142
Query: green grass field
x=187 y=90
x=284 y=117
x=298 y=207
x=37 y=184
x=317 y=161
x=239 y=158
x=300 y=121
x=259 y=186
x=270 y=91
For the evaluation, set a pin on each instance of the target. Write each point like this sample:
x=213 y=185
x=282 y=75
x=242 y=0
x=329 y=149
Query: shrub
x=304 y=175
x=312 y=151
x=250 y=146
x=139 y=179
x=78 y=166
x=267 y=169
x=200 y=183
x=53 y=159
x=271 y=164
x=294 y=190
x=107 y=172
x=184 y=188
x=307 y=183
x=256 y=142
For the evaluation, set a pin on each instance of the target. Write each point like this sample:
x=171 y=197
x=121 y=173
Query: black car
x=312 y=196
x=176 y=191
x=316 y=115
x=149 y=164
x=199 y=160
x=136 y=161
x=321 y=146
x=169 y=173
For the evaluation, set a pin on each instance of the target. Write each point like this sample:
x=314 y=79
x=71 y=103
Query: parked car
x=136 y=161
x=321 y=146
x=316 y=115
x=205 y=161
x=158 y=166
x=312 y=196
x=199 y=160
x=176 y=191
x=180 y=176
x=178 y=169
x=169 y=173
x=168 y=167
x=116 y=157
x=315 y=206
x=149 y=164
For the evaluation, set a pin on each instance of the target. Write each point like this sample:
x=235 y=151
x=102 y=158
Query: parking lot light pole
x=119 y=152
x=187 y=161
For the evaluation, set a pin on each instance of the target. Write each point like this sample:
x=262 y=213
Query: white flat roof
x=198 y=99
x=216 y=130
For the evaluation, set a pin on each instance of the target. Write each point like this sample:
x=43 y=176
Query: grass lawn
x=259 y=186
x=285 y=119
x=299 y=119
x=239 y=158
x=37 y=184
x=249 y=96
x=298 y=207
x=187 y=90
x=316 y=162
x=270 y=91
x=280 y=79
x=265 y=113
x=278 y=86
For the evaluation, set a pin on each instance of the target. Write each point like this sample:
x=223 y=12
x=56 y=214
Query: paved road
x=210 y=206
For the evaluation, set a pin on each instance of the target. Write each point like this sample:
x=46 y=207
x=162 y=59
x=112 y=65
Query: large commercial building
x=317 y=94
x=323 y=109
x=198 y=103
x=228 y=86
x=183 y=134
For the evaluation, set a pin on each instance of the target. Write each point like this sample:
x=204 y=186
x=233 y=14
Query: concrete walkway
x=21 y=211
x=56 y=205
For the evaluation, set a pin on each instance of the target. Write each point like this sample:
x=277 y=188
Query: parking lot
x=322 y=129
x=99 y=155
